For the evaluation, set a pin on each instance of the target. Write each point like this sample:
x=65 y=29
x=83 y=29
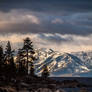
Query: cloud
x=18 y=21
x=47 y=6
x=26 y=21
x=82 y=19
x=76 y=19
x=57 y=21
x=17 y=17
x=63 y=25
x=57 y=38
x=58 y=42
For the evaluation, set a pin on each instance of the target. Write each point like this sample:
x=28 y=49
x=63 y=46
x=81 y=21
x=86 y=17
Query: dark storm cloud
x=33 y=28
x=48 y=16
x=22 y=21
x=47 y=5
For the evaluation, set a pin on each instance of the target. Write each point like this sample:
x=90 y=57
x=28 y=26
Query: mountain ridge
x=60 y=64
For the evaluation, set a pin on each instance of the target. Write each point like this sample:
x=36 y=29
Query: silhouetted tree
x=45 y=72
x=9 y=61
x=8 y=53
x=31 y=69
x=1 y=61
x=21 y=63
x=26 y=56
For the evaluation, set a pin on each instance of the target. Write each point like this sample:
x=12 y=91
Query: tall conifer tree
x=1 y=61
x=9 y=61
x=45 y=72
x=27 y=56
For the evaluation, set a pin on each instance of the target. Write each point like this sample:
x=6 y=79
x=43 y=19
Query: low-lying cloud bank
x=58 y=42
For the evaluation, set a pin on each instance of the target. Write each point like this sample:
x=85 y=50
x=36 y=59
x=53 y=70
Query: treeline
x=24 y=64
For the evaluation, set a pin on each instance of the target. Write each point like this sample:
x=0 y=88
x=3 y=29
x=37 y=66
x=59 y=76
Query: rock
x=60 y=90
x=43 y=90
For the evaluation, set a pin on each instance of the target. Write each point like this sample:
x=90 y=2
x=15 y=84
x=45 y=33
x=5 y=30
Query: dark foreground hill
x=38 y=84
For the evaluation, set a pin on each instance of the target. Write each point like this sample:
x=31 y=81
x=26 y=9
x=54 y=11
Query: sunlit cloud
x=17 y=17
x=57 y=42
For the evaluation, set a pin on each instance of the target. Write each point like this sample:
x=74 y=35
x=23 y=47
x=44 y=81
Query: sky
x=63 y=25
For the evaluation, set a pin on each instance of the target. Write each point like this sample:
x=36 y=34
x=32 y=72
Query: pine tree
x=21 y=63
x=27 y=55
x=31 y=69
x=45 y=72
x=1 y=61
x=9 y=61
x=8 y=53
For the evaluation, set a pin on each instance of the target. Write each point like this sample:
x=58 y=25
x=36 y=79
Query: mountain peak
x=60 y=63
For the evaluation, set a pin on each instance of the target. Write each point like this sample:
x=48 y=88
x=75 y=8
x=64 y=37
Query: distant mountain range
x=78 y=64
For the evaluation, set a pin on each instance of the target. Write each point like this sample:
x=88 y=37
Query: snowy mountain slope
x=60 y=63
x=86 y=57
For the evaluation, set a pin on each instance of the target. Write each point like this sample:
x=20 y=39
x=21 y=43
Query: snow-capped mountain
x=86 y=57
x=63 y=64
